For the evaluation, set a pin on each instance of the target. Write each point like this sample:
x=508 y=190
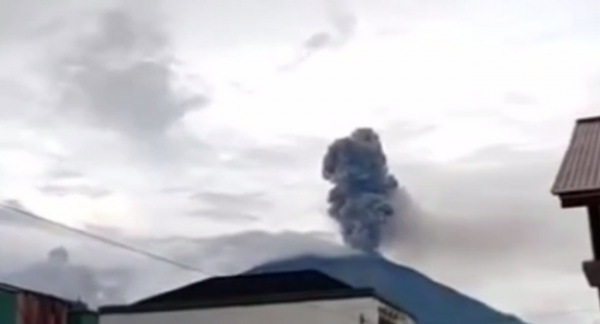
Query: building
x=577 y=185
x=22 y=306
x=288 y=297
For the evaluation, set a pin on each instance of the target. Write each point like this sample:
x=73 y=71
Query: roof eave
x=589 y=119
x=242 y=301
x=581 y=198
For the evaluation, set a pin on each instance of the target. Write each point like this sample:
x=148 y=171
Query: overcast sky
x=196 y=129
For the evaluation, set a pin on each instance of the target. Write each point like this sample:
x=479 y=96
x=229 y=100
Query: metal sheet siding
x=580 y=168
x=33 y=309
x=83 y=318
x=8 y=307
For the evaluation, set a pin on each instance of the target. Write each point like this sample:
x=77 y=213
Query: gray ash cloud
x=362 y=200
x=59 y=276
x=123 y=77
x=343 y=23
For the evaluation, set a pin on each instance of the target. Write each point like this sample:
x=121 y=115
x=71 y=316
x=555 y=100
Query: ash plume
x=362 y=199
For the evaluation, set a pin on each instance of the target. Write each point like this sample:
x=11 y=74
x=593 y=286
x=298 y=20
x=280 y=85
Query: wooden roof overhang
x=577 y=184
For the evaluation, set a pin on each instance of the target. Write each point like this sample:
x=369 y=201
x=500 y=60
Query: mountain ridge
x=430 y=301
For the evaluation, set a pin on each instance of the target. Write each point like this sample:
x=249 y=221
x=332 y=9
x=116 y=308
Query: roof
x=578 y=179
x=75 y=305
x=247 y=290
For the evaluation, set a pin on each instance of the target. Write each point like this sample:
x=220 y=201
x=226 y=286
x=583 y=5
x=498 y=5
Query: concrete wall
x=346 y=311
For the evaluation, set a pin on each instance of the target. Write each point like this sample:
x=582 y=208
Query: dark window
x=387 y=316
x=385 y=320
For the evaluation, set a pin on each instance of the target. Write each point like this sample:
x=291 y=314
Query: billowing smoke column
x=361 y=199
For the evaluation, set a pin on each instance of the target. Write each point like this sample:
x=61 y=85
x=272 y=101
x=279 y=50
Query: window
x=383 y=320
x=387 y=316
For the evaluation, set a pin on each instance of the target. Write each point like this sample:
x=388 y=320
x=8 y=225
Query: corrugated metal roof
x=250 y=285
x=247 y=290
x=8 y=287
x=580 y=169
x=17 y=289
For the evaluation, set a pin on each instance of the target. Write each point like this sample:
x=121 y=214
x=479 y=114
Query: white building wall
x=347 y=311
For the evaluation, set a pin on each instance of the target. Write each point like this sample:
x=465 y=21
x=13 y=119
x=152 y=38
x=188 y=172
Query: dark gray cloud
x=343 y=23
x=225 y=215
x=251 y=200
x=225 y=207
x=491 y=209
x=488 y=214
x=60 y=166
x=297 y=156
x=63 y=173
x=62 y=179
x=363 y=189
x=12 y=25
x=122 y=78
x=494 y=213
x=62 y=190
x=249 y=248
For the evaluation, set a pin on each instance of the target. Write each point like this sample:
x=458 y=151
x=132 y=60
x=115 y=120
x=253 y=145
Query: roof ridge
x=253 y=284
x=588 y=119
x=20 y=289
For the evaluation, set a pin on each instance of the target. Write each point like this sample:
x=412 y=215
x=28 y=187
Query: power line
x=104 y=240
x=180 y=265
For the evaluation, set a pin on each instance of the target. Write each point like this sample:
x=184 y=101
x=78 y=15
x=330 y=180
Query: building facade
x=296 y=297
x=21 y=306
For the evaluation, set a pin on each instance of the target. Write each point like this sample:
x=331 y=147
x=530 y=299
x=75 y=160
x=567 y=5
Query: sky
x=196 y=129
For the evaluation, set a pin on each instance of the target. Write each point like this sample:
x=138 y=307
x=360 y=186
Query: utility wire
x=177 y=264
x=104 y=240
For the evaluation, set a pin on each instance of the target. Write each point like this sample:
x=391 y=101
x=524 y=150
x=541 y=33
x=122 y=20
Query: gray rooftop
x=579 y=173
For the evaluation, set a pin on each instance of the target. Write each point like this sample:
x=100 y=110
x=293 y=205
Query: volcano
x=429 y=301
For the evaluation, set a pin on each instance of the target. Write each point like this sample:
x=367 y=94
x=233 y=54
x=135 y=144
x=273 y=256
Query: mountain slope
x=429 y=301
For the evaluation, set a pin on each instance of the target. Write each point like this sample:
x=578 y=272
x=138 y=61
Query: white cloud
x=454 y=92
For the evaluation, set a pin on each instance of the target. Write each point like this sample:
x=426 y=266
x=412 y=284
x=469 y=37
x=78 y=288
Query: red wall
x=32 y=309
